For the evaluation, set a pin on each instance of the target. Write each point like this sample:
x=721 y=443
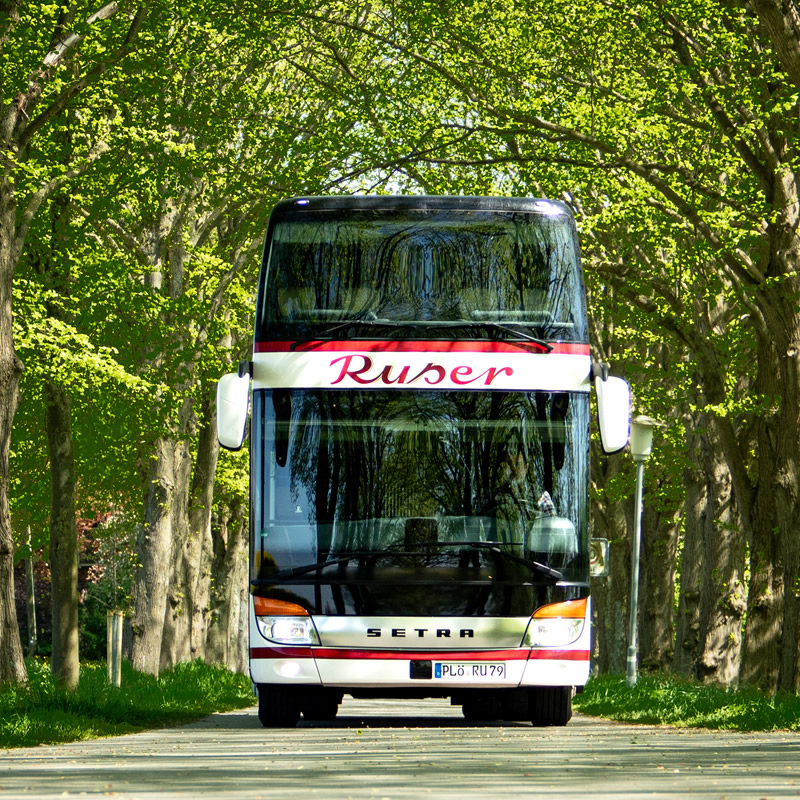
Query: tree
x=186 y=228
x=179 y=219
x=42 y=77
x=711 y=87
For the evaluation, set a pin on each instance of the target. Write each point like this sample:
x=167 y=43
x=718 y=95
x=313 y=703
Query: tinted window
x=390 y=472
x=421 y=271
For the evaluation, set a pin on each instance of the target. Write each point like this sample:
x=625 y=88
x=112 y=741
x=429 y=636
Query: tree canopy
x=143 y=146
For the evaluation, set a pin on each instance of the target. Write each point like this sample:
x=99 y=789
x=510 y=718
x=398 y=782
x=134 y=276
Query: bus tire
x=481 y=707
x=321 y=704
x=550 y=705
x=278 y=706
x=515 y=705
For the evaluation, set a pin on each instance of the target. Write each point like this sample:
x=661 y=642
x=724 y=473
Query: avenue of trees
x=142 y=147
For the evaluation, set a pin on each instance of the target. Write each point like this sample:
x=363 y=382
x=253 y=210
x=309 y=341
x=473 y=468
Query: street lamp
x=641 y=447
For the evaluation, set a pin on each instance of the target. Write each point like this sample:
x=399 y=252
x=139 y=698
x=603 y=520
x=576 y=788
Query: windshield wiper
x=534 y=565
x=295 y=571
x=376 y=322
x=498 y=326
x=495 y=549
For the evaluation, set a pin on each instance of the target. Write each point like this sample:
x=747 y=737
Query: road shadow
x=248 y=719
x=407 y=722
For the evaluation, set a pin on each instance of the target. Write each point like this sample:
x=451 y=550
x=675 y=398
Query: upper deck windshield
x=407 y=272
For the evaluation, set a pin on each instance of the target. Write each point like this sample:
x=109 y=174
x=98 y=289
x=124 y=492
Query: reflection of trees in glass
x=423 y=266
x=372 y=455
x=316 y=452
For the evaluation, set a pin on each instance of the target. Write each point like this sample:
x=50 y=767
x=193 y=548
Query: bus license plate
x=476 y=671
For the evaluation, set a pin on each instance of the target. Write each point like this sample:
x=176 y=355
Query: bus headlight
x=288 y=630
x=557 y=624
x=554 y=632
x=283 y=622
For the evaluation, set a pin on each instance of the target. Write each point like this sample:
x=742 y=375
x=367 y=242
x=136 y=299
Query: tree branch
x=56 y=57
x=684 y=47
x=733 y=269
x=781 y=21
x=47 y=191
x=63 y=46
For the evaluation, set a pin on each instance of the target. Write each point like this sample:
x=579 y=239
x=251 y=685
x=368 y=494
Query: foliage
x=39 y=712
x=109 y=557
x=107 y=398
x=668 y=700
x=155 y=240
x=672 y=127
x=232 y=478
x=148 y=168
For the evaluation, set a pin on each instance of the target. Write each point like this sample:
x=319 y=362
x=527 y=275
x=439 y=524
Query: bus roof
x=530 y=205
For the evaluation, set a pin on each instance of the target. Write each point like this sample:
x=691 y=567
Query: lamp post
x=641 y=447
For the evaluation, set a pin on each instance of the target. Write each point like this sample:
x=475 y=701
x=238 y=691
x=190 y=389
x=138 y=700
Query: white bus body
x=420 y=385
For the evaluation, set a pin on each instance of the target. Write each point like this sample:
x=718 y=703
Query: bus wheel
x=550 y=705
x=515 y=704
x=278 y=706
x=481 y=707
x=321 y=704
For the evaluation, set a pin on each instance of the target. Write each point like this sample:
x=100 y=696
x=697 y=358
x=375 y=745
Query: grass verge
x=39 y=712
x=669 y=700
x=42 y=713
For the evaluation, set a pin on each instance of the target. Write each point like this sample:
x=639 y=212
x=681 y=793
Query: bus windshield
x=350 y=482
x=422 y=273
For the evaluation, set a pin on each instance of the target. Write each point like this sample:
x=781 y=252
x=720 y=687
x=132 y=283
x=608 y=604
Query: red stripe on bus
x=391 y=655
x=281 y=652
x=436 y=346
x=561 y=655
x=395 y=655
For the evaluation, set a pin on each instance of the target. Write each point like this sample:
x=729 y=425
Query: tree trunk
x=712 y=596
x=227 y=633
x=690 y=626
x=724 y=596
x=65 y=664
x=771 y=649
x=185 y=625
x=12 y=664
x=780 y=22
x=660 y=530
x=185 y=628
x=200 y=541
x=787 y=497
x=50 y=256
x=175 y=624
x=610 y=520
x=762 y=656
x=154 y=552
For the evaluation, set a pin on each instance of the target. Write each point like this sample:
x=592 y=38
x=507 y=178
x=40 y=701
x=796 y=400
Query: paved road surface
x=403 y=750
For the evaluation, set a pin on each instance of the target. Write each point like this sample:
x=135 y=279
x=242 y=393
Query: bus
x=418 y=400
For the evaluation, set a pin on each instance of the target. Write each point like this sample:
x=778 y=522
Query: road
x=400 y=749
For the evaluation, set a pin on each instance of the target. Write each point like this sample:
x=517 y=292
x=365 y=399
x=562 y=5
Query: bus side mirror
x=233 y=402
x=613 y=412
